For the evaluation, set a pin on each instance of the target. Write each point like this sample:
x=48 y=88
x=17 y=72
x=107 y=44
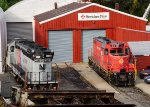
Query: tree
x=135 y=7
x=5 y=4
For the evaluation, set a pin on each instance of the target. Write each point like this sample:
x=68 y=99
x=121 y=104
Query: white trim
x=33 y=27
x=92 y=4
x=134 y=30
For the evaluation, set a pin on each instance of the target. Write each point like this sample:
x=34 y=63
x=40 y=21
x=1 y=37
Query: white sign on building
x=93 y=16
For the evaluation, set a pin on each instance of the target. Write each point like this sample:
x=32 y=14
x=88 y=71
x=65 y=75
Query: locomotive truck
x=113 y=61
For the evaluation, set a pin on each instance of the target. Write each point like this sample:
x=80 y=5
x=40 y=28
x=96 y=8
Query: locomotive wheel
x=116 y=81
x=132 y=83
x=16 y=77
x=108 y=77
x=93 y=66
x=90 y=62
x=13 y=98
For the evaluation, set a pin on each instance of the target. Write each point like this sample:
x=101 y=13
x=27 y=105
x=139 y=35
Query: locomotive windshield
x=117 y=52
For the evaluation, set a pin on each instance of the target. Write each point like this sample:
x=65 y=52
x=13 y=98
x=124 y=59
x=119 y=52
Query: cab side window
x=12 y=48
x=127 y=51
x=106 y=52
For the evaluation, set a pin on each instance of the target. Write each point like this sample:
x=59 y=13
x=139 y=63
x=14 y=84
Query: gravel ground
x=70 y=79
x=127 y=95
x=132 y=95
x=7 y=81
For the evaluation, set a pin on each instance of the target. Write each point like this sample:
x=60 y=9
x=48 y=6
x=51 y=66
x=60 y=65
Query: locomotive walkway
x=92 y=77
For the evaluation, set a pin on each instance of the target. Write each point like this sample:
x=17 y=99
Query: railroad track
x=84 y=96
x=79 y=98
x=133 y=95
x=71 y=75
x=129 y=94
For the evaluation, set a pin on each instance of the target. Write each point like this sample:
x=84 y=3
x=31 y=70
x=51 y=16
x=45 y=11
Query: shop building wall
x=71 y=22
x=125 y=35
x=142 y=62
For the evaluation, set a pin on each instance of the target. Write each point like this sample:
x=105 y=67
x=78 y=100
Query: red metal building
x=70 y=29
x=142 y=62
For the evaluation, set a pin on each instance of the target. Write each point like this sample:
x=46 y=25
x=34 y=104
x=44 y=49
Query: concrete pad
x=92 y=77
x=143 y=86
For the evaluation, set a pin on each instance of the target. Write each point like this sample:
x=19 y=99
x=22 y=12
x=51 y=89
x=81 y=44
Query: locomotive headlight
x=48 y=56
x=32 y=51
x=129 y=73
x=38 y=57
x=115 y=73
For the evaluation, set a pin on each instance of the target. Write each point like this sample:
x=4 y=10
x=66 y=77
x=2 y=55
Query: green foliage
x=5 y=4
x=135 y=7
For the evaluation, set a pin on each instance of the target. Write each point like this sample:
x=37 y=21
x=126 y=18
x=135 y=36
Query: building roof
x=25 y=10
x=59 y=11
x=1 y=11
x=73 y=7
x=140 y=48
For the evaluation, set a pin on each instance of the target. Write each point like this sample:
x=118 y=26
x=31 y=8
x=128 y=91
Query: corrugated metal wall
x=126 y=35
x=19 y=30
x=71 y=22
x=116 y=20
x=142 y=62
x=61 y=43
x=87 y=41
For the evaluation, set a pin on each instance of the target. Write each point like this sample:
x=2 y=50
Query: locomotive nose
x=121 y=60
x=120 y=63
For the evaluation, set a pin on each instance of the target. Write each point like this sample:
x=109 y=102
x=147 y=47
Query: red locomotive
x=113 y=60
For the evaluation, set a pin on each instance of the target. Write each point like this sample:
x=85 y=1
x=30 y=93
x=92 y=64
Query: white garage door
x=61 y=43
x=87 y=41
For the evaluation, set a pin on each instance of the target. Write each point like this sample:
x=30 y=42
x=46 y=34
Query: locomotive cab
x=122 y=65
